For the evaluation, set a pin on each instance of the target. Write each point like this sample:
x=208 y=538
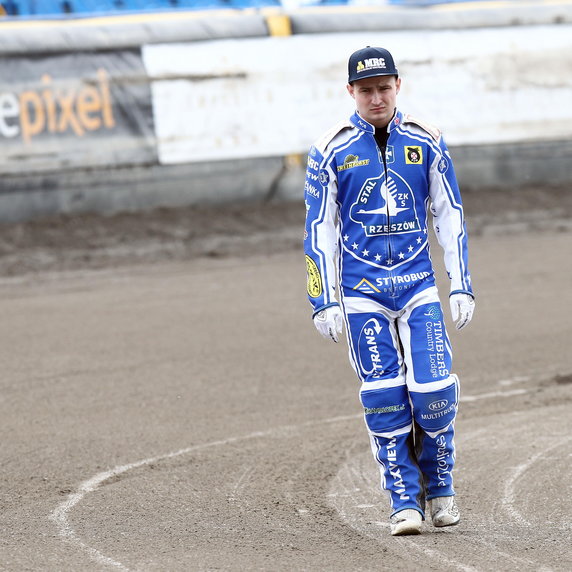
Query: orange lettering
x=88 y=102
x=32 y=123
x=106 y=97
x=67 y=117
x=50 y=103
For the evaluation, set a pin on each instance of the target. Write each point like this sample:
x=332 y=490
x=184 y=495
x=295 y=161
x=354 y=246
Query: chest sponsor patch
x=352 y=161
x=386 y=206
x=413 y=155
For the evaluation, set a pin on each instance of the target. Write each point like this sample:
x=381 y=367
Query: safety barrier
x=143 y=110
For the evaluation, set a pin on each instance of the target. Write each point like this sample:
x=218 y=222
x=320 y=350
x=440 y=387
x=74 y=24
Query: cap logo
x=370 y=64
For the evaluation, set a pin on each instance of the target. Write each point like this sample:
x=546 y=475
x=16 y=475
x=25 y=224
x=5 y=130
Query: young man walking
x=370 y=183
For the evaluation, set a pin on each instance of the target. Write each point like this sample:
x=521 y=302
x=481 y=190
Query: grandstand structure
x=78 y=8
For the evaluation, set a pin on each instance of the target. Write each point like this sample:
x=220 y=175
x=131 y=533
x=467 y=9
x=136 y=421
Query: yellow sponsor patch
x=314 y=278
x=351 y=161
x=413 y=155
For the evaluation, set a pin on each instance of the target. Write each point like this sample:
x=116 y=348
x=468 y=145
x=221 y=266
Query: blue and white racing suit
x=366 y=233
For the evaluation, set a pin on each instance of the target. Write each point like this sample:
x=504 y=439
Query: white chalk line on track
x=508 y=500
x=509 y=393
x=61 y=513
x=411 y=545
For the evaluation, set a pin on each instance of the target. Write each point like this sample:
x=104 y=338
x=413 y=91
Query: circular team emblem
x=324 y=177
x=443 y=165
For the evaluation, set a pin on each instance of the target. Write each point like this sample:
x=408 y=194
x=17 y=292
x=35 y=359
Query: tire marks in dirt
x=503 y=500
x=497 y=482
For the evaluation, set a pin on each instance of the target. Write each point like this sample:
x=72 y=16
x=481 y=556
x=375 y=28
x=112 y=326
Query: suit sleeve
x=320 y=236
x=449 y=220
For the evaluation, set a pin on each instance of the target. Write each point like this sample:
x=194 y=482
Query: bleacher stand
x=59 y=8
x=64 y=8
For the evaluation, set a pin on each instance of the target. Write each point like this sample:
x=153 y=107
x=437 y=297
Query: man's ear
x=350 y=88
x=397 y=85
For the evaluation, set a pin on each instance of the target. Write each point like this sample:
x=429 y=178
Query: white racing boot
x=444 y=511
x=407 y=521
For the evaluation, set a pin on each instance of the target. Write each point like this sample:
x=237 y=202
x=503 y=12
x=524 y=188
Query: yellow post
x=279 y=24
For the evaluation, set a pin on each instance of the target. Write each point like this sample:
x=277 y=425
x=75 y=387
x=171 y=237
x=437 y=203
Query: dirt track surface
x=166 y=404
x=91 y=241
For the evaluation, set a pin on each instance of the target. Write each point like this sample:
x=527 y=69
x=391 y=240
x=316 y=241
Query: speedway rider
x=370 y=182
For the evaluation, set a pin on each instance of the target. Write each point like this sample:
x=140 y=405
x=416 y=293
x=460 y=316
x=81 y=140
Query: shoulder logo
x=413 y=155
x=324 y=177
x=443 y=166
x=352 y=161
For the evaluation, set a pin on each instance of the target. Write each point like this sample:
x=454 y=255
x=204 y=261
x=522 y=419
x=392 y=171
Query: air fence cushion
x=377 y=19
x=125 y=32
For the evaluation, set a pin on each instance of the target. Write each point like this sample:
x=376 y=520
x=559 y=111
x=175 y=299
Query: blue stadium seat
x=83 y=7
x=93 y=6
x=253 y=3
x=41 y=7
x=62 y=7
x=11 y=8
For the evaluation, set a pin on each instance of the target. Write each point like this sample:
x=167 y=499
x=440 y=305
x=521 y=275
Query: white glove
x=329 y=322
x=462 y=308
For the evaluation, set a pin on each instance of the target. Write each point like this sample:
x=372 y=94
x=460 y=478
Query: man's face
x=375 y=98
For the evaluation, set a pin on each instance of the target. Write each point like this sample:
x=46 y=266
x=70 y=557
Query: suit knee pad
x=386 y=409
x=435 y=410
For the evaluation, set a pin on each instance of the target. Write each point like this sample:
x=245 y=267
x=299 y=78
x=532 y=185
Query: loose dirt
x=166 y=404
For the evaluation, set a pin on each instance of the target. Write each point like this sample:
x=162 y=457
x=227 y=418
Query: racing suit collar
x=364 y=125
x=361 y=123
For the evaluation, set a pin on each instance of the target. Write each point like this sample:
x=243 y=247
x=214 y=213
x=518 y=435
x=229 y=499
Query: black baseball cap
x=370 y=62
